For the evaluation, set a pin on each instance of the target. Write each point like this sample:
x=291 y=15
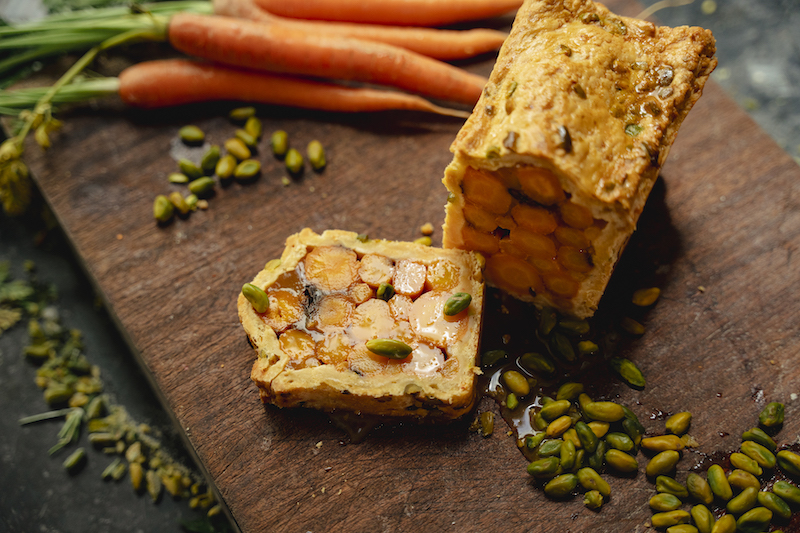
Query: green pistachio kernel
x=457 y=303
x=190 y=169
x=391 y=348
x=191 y=134
x=316 y=155
x=772 y=415
x=210 y=159
x=256 y=296
x=279 y=141
x=162 y=208
x=294 y=161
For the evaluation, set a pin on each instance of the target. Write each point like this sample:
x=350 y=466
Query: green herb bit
x=70 y=430
x=49 y=415
x=633 y=130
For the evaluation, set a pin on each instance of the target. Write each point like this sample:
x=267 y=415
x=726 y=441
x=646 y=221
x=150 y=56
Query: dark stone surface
x=38 y=493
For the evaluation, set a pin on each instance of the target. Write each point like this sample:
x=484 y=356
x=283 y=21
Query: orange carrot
x=170 y=82
x=256 y=45
x=446 y=45
x=395 y=12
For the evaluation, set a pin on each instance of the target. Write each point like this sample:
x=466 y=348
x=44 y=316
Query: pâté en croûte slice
x=361 y=325
x=552 y=170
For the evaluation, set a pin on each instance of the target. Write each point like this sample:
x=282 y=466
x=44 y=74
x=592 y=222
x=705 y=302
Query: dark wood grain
x=725 y=217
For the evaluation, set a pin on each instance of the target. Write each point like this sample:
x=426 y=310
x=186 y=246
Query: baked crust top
x=596 y=97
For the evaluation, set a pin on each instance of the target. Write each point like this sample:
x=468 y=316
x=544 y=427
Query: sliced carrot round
x=576 y=215
x=331 y=268
x=540 y=185
x=533 y=243
x=574 y=259
x=512 y=274
x=480 y=219
x=536 y=219
x=478 y=241
x=572 y=237
x=486 y=191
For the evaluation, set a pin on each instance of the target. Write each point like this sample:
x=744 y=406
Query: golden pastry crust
x=336 y=371
x=595 y=100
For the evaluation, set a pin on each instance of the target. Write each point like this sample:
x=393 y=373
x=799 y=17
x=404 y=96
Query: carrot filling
x=327 y=309
x=536 y=240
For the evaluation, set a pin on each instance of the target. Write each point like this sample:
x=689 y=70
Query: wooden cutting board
x=719 y=236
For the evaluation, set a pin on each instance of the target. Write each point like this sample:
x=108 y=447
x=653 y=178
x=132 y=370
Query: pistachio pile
x=576 y=439
x=750 y=495
x=236 y=162
x=74 y=389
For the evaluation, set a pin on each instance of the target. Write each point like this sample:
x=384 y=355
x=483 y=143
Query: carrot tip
x=446 y=111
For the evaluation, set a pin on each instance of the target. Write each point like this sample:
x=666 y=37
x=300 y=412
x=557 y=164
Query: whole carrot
x=446 y=45
x=171 y=82
x=275 y=48
x=396 y=12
